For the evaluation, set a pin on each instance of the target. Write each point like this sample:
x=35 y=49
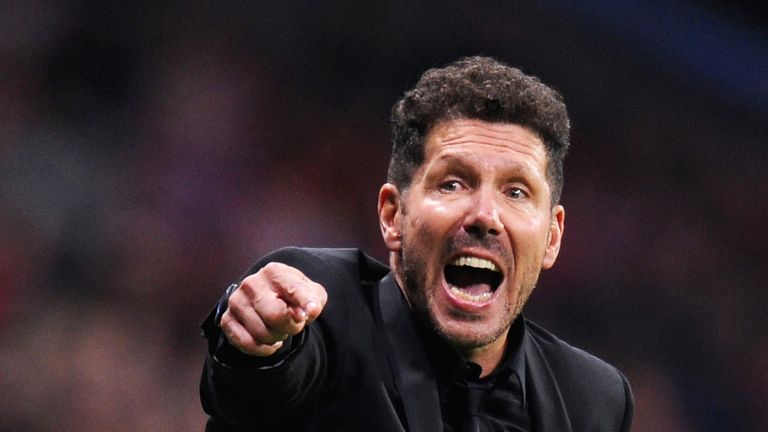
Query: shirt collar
x=449 y=364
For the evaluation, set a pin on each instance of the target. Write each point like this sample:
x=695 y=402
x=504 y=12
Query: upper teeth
x=475 y=262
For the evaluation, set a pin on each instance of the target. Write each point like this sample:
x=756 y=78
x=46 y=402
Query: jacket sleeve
x=629 y=409
x=241 y=392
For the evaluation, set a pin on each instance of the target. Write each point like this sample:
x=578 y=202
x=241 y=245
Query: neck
x=489 y=356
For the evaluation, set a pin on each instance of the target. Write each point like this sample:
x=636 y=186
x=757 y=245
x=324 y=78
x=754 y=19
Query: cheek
x=528 y=237
x=420 y=236
x=442 y=209
x=434 y=217
x=425 y=234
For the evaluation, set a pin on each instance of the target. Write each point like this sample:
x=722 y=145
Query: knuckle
x=247 y=288
x=274 y=317
x=225 y=318
x=283 y=327
x=233 y=337
x=271 y=268
x=290 y=289
x=236 y=307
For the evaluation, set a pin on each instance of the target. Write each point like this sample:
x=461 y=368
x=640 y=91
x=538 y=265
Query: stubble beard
x=414 y=275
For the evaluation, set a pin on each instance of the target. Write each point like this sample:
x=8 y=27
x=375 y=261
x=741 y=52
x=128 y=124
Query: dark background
x=150 y=151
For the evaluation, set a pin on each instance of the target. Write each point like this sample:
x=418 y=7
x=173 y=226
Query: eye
x=515 y=193
x=450 y=186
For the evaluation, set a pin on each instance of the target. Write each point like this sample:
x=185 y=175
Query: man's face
x=474 y=229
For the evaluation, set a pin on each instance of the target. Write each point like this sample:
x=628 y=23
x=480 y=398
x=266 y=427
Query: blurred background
x=151 y=150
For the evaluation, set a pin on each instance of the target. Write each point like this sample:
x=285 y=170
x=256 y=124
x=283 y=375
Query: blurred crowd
x=150 y=151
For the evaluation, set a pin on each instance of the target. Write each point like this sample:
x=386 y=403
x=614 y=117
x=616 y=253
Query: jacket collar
x=547 y=408
x=416 y=379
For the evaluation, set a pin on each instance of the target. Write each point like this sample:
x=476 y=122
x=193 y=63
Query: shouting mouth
x=472 y=279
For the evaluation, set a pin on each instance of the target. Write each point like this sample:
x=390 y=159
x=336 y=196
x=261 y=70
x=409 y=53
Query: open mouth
x=472 y=279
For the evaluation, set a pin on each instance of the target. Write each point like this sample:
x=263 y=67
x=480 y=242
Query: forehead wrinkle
x=451 y=136
x=520 y=148
x=453 y=149
x=484 y=145
x=471 y=160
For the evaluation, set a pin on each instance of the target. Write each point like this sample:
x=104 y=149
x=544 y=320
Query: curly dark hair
x=479 y=88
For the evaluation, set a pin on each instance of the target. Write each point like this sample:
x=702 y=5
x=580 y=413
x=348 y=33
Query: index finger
x=305 y=297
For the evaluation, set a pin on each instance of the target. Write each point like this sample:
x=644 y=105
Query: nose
x=483 y=218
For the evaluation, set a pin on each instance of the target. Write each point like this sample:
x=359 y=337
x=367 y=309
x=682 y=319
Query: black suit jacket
x=361 y=366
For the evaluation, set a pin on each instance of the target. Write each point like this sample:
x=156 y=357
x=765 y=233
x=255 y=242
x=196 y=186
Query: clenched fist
x=276 y=302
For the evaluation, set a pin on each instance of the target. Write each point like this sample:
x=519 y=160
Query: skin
x=271 y=304
x=481 y=191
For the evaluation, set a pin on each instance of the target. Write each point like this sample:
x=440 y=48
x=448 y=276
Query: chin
x=469 y=334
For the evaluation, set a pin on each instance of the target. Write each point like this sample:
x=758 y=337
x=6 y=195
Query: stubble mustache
x=463 y=240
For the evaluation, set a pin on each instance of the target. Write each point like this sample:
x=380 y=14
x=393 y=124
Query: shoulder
x=561 y=353
x=325 y=264
x=586 y=382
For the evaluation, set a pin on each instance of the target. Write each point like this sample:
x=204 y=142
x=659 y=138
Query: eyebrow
x=463 y=160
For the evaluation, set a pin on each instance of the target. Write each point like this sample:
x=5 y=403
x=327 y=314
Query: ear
x=554 y=237
x=390 y=217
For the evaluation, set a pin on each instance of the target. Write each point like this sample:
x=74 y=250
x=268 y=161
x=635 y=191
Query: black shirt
x=497 y=401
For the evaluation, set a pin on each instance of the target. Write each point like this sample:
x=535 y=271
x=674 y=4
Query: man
x=327 y=340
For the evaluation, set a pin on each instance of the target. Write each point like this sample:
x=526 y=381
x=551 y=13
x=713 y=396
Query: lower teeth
x=470 y=297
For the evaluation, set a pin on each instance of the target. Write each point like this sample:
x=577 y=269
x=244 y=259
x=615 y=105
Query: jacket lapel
x=416 y=381
x=547 y=408
x=414 y=375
